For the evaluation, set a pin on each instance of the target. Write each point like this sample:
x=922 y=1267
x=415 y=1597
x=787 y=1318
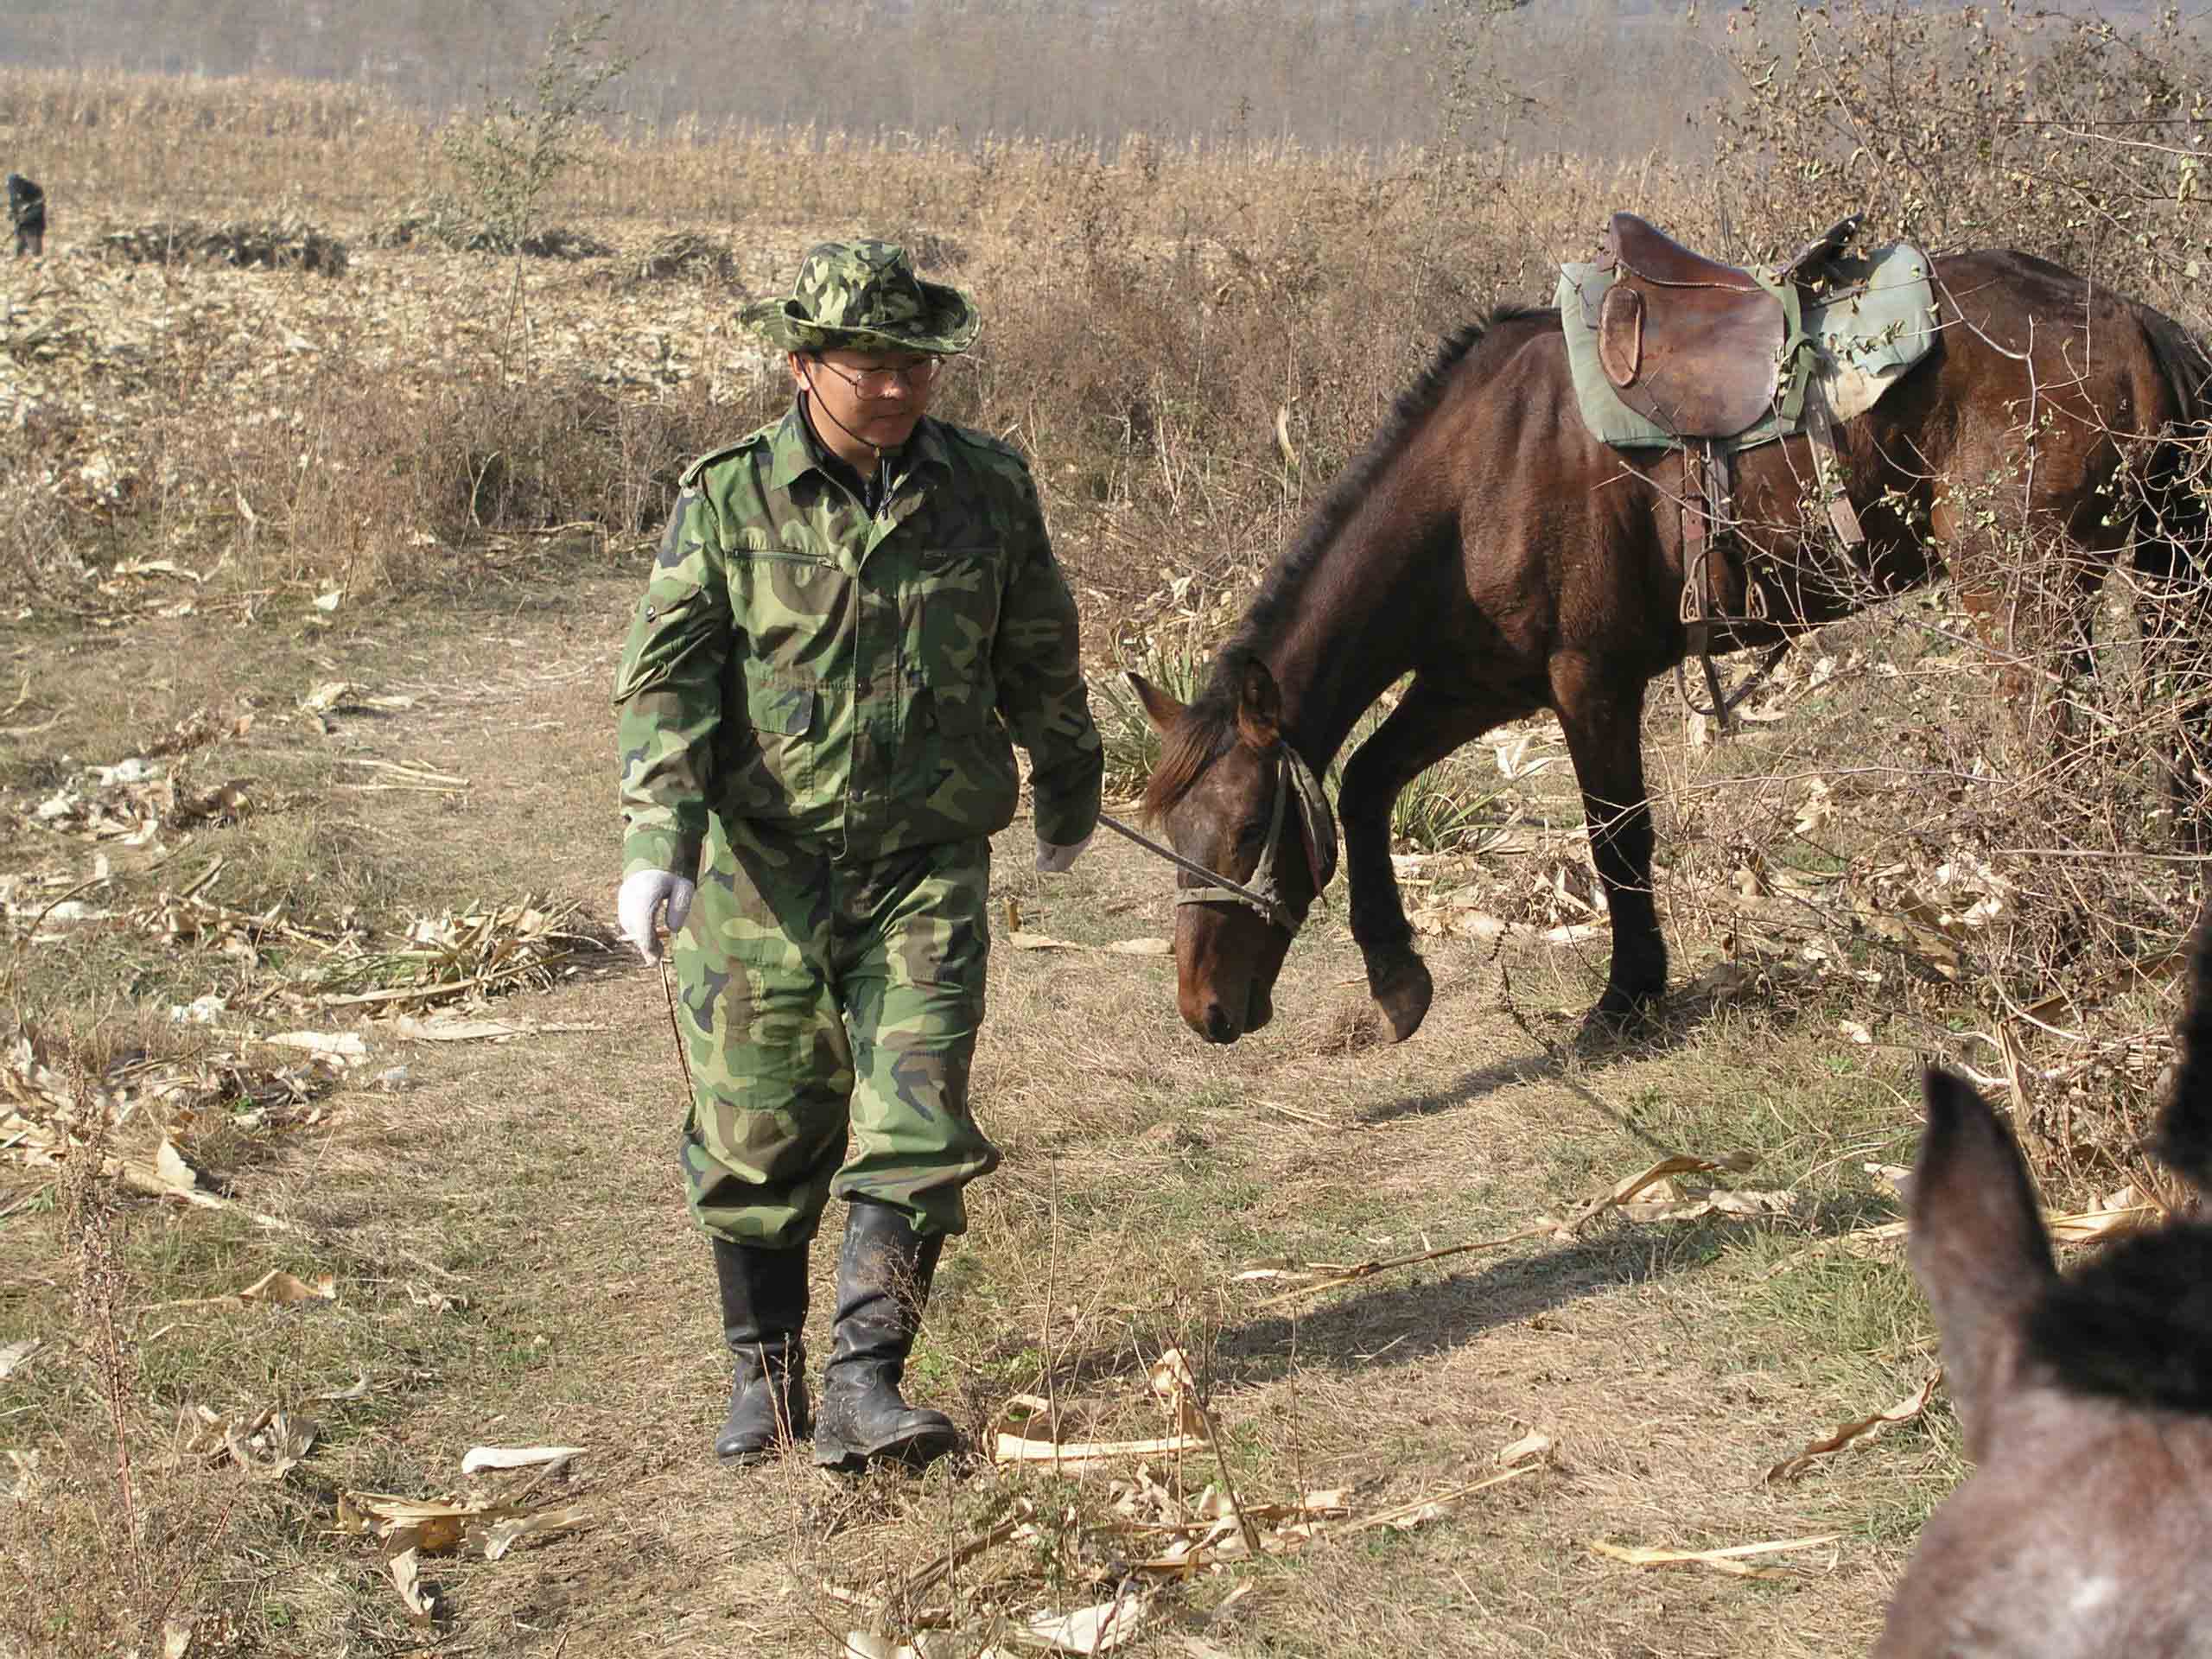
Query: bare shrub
x=2069 y=136
x=1990 y=796
x=1992 y=846
x=1221 y=371
x=285 y=245
x=397 y=487
x=516 y=150
x=689 y=256
x=433 y=220
x=560 y=242
x=437 y=220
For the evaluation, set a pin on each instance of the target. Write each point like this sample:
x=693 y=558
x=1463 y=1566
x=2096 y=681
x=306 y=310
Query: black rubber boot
x=764 y=1311
x=883 y=1284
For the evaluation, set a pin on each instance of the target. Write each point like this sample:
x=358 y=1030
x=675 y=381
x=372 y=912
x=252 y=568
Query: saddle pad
x=1875 y=321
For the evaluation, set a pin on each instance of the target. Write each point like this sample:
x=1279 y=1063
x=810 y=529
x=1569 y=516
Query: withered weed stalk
x=89 y=1219
x=110 y=1548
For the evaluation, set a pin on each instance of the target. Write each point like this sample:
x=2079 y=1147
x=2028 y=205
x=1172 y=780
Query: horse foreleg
x=1425 y=727
x=1602 y=714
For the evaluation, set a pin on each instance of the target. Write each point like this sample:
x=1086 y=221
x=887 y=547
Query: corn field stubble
x=201 y=457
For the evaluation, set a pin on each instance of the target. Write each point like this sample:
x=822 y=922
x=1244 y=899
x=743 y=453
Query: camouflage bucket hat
x=864 y=296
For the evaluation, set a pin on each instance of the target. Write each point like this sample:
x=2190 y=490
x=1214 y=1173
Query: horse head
x=2085 y=1401
x=1238 y=800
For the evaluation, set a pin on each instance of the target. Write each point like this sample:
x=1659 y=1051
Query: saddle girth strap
x=1820 y=432
x=1716 y=588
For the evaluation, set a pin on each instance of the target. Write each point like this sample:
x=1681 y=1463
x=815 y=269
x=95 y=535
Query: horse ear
x=1162 y=710
x=1259 y=706
x=1978 y=1247
x=2184 y=1137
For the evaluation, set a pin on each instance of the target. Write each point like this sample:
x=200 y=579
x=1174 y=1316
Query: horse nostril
x=1220 y=1028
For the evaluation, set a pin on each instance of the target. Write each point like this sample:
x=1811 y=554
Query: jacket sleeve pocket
x=675 y=621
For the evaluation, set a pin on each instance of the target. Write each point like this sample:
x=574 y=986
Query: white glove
x=1056 y=860
x=640 y=898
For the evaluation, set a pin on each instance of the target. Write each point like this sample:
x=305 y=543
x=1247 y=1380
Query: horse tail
x=2185 y=366
x=2176 y=487
x=2184 y=1135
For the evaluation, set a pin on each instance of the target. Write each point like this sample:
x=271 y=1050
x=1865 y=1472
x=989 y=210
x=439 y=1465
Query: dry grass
x=196 y=455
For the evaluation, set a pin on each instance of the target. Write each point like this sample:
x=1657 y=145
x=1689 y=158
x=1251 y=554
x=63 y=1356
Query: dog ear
x=1978 y=1247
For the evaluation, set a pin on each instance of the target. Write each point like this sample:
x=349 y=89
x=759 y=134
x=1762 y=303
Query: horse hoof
x=1403 y=995
x=1620 y=1017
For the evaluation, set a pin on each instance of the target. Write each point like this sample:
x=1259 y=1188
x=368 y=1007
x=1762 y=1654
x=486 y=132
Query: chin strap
x=874 y=490
x=814 y=402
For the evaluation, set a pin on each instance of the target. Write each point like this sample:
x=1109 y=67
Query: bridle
x=1295 y=781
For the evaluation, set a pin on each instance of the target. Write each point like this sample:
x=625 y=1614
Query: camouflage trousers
x=819 y=996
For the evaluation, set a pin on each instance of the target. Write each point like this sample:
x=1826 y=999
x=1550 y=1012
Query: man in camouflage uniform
x=27 y=212
x=854 y=616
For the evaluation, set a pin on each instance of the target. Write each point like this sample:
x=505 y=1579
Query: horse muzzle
x=1218 y=1021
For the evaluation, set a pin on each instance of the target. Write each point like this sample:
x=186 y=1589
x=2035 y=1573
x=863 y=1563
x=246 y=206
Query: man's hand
x=1055 y=860
x=640 y=901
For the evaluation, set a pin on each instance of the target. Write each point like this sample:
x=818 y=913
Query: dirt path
x=1143 y=1166
x=533 y=1186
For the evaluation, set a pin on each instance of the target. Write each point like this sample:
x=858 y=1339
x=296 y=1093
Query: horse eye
x=1252 y=834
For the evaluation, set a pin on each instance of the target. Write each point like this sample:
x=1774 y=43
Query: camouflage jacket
x=799 y=662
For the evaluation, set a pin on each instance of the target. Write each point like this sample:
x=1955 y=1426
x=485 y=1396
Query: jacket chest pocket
x=779 y=703
x=775 y=590
x=781 y=714
x=952 y=621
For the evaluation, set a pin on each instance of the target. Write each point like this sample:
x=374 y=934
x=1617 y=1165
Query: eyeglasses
x=875 y=383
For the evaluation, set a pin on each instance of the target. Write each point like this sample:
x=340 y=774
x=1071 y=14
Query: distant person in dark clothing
x=27 y=212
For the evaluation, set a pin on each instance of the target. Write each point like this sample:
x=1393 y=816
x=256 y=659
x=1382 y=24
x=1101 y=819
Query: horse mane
x=1209 y=721
x=1188 y=747
x=2136 y=1324
x=2184 y=1135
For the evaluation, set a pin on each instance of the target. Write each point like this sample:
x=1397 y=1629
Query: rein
x=1294 y=778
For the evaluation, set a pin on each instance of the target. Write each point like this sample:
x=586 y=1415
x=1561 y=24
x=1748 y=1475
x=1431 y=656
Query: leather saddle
x=1691 y=343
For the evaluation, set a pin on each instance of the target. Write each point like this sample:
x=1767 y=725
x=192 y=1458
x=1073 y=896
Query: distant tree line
x=1605 y=76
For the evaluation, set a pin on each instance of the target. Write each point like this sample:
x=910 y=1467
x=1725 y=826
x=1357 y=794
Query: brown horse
x=2086 y=1401
x=1489 y=545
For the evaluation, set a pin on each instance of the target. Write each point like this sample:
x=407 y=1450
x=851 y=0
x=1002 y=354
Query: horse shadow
x=1471 y=1086
x=1393 y=1323
x=1596 y=1047
x=1402 y=1324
